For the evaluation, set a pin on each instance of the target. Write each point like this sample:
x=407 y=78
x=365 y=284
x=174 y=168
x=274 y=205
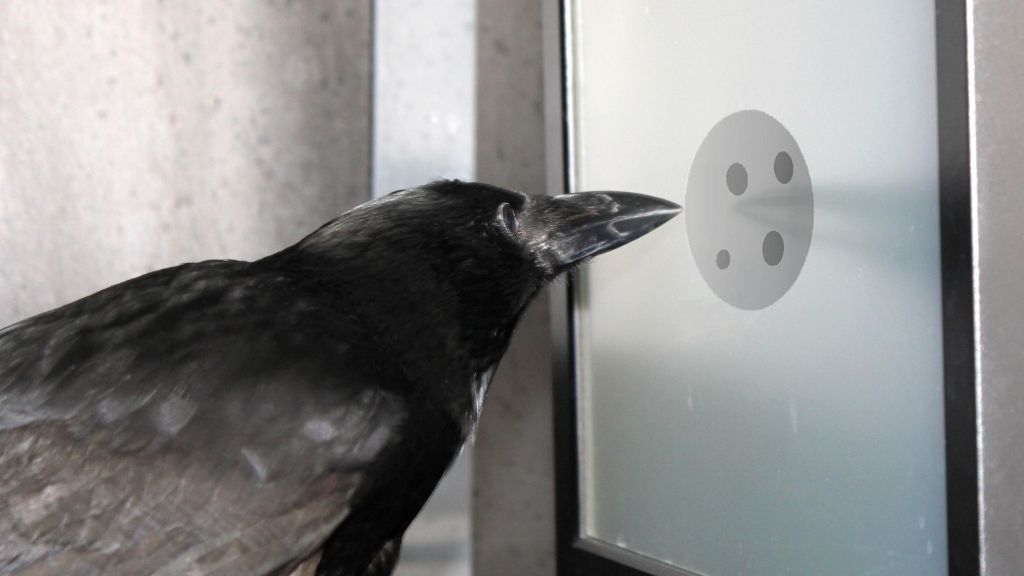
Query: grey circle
x=772 y=248
x=783 y=167
x=768 y=227
x=722 y=259
x=736 y=178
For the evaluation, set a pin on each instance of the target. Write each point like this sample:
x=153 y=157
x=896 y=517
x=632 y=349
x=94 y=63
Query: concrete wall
x=513 y=504
x=998 y=30
x=136 y=135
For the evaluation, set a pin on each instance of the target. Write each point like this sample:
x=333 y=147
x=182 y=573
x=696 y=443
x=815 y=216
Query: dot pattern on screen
x=736 y=179
x=722 y=259
x=749 y=209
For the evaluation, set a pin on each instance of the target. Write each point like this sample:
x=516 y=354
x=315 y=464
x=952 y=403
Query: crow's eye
x=507 y=218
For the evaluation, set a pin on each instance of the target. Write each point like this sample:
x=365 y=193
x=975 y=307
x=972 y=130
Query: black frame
x=959 y=340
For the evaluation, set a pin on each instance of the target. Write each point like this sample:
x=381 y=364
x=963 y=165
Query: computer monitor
x=781 y=380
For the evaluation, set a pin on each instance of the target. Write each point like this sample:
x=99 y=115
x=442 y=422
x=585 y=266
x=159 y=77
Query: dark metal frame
x=576 y=556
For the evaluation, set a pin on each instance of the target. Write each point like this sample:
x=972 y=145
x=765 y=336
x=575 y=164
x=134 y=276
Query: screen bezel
x=580 y=556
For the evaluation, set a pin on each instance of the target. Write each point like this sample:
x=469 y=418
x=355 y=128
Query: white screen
x=766 y=426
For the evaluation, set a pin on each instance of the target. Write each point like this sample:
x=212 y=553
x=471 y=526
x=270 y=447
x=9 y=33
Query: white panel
x=796 y=434
x=424 y=87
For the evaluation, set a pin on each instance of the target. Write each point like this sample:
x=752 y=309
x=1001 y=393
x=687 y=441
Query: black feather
x=238 y=418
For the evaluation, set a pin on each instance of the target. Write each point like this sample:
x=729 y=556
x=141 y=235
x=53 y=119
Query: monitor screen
x=760 y=382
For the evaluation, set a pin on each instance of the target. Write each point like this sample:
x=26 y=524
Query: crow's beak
x=592 y=223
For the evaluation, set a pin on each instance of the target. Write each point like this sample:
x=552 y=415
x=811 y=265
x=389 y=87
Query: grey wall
x=999 y=164
x=139 y=134
x=513 y=504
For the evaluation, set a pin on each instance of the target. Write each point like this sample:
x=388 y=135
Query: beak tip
x=669 y=207
x=612 y=220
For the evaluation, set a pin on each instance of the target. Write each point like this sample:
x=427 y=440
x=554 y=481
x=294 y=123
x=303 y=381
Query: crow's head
x=471 y=251
x=544 y=235
x=482 y=237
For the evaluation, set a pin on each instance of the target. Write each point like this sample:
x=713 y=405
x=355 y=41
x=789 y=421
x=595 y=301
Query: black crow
x=284 y=416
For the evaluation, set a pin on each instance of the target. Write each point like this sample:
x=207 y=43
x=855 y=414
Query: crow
x=289 y=415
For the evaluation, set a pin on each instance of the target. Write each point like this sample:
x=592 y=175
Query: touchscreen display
x=760 y=381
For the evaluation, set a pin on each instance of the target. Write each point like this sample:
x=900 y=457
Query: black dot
x=783 y=167
x=736 y=179
x=723 y=259
x=772 y=248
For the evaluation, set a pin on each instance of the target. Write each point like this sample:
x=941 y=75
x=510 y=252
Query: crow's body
x=237 y=418
x=236 y=407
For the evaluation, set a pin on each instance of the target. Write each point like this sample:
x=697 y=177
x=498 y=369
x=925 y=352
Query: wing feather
x=208 y=419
